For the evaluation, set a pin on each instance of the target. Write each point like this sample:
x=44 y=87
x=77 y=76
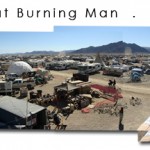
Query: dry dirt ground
x=134 y=116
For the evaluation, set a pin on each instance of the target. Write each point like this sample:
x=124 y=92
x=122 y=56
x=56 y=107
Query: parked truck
x=5 y=88
x=19 y=83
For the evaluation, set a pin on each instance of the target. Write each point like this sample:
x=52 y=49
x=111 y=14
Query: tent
x=19 y=67
x=15 y=111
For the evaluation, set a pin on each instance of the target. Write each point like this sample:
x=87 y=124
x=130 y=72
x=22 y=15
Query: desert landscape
x=76 y=91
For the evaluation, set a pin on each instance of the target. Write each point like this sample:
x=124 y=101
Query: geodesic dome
x=19 y=67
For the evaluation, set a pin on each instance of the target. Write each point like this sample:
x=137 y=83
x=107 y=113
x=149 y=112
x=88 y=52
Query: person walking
x=110 y=83
x=121 y=126
x=114 y=83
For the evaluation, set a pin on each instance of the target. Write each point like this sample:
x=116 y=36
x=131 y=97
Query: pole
x=121 y=126
x=26 y=110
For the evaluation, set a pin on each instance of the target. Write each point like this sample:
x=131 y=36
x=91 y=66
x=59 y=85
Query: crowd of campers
x=27 y=71
x=109 y=65
x=113 y=65
x=106 y=62
x=23 y=73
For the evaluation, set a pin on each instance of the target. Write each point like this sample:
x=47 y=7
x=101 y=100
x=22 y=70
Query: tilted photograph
x=76 y=78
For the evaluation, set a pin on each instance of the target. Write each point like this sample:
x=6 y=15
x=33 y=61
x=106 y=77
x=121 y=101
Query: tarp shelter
x=19 y=68
x=108 y=90
x=139 y=70
x=20 y=112
x=62 y=90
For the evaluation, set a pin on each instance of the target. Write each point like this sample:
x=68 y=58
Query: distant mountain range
x=41 y=52
x=147 y=48
x=118 y=47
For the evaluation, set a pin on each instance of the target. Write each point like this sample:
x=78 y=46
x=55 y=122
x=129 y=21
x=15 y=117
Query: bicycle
x=135 y=101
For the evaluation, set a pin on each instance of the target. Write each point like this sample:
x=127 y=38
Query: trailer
x=89 y=68
x=57 y=65
x=112 y=71
x=6 y=88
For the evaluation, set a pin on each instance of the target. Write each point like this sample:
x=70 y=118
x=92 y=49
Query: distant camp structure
x=19 y=68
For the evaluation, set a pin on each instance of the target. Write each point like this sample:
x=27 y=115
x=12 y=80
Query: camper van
x=88 y=68
x=61 y=66
x=5 y=88
x=112 y=71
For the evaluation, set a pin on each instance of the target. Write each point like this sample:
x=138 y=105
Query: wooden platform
x=144 y=132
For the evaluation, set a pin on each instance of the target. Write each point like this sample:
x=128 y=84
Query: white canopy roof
x=19 y=67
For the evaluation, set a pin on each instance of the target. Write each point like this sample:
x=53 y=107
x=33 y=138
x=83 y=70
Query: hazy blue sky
x=71 y=38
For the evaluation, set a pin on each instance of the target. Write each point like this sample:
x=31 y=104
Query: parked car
x=147 y=72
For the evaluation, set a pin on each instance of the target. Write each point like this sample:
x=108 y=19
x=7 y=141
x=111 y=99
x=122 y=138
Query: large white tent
x=19 y=67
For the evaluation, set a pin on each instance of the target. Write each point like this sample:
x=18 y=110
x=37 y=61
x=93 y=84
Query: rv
x=75 y=65
x=123 y=67
x=57 y=65
x=88 y=68
x=61 y=66
x=111 y=70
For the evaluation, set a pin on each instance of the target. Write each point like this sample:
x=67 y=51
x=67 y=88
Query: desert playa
x=70 y=98
x=76 y=78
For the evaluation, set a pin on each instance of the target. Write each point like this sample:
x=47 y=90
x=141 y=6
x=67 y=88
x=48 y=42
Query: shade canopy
x=19 y=67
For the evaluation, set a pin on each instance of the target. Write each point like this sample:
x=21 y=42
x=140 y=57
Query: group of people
x=112 y=83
